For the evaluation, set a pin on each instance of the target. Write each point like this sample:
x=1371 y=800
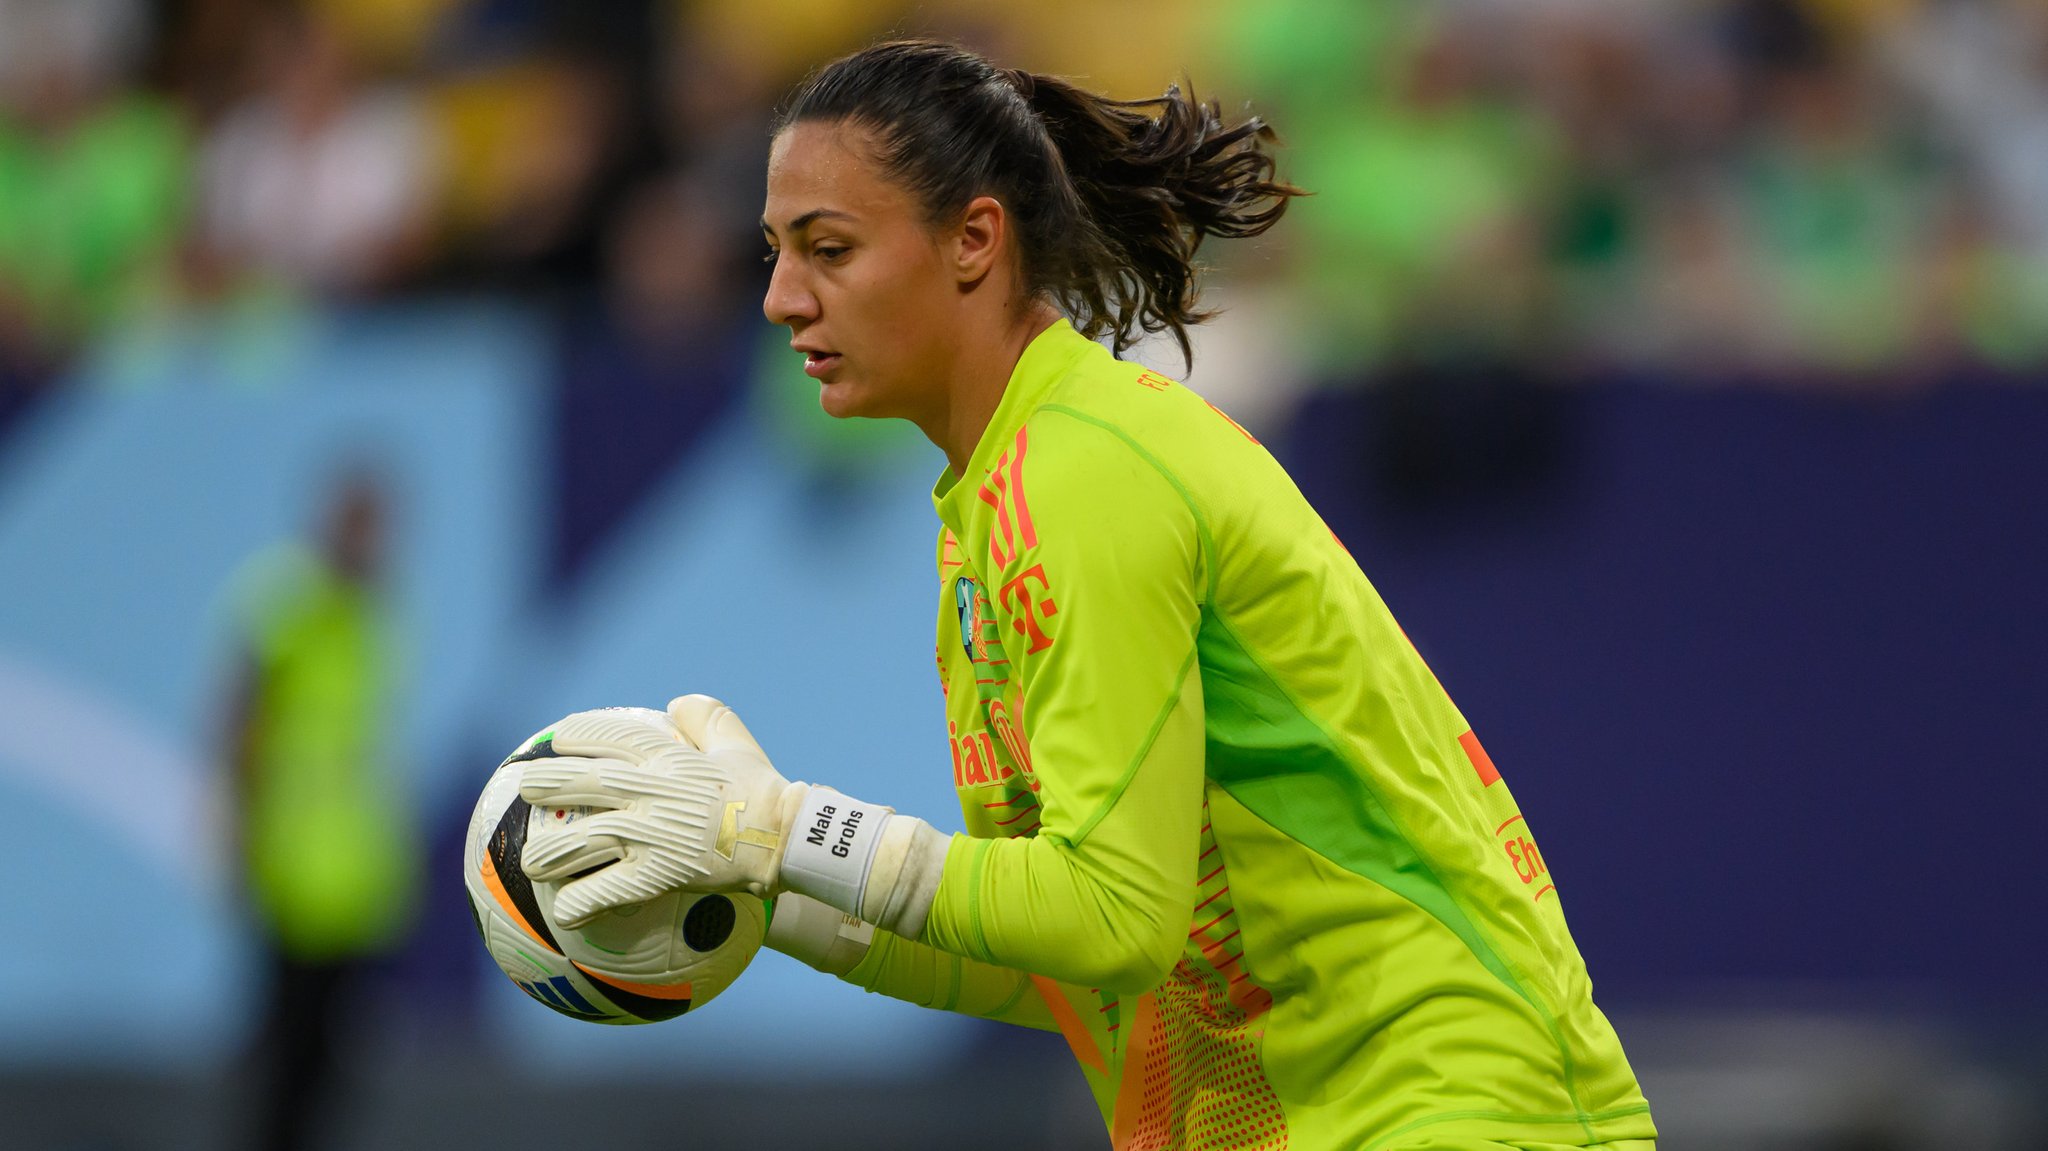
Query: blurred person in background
x=317 y=179
x=1837 y=188
x=1987 y=293
x=549 y=116
x=1423 y=272
x=1417 y=245
x=324 y=840
x=92 y=181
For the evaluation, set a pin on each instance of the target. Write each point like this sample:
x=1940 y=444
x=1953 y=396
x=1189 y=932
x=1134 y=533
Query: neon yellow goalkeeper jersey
x=1256 y=865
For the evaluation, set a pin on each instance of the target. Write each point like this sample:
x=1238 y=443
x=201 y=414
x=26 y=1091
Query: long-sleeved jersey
x=1258 y=868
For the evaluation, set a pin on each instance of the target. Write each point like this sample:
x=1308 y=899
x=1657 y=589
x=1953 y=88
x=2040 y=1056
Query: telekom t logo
x=1027 y=607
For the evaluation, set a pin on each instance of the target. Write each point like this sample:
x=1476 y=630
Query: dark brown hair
x=1109 y=199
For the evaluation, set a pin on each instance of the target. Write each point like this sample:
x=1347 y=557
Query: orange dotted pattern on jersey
x=1203 y=1085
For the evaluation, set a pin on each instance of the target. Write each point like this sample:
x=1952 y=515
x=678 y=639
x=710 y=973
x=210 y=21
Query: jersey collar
x=1046 y=361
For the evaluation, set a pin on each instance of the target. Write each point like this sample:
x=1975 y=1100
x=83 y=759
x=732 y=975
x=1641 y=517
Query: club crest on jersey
x=967 y=598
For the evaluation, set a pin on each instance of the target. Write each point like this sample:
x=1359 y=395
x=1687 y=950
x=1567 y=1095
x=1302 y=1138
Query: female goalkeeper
x=1226 y=832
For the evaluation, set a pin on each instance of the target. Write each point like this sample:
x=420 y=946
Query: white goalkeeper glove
x=689 y=801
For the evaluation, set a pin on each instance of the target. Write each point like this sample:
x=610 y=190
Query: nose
x=789 y=300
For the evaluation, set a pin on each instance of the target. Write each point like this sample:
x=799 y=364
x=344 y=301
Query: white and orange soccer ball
x=638 y=964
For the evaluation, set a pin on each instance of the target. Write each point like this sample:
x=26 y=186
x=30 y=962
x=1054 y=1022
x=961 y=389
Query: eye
x=830 y=253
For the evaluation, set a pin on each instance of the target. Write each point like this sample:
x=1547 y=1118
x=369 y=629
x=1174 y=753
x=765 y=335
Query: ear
x=979 y=239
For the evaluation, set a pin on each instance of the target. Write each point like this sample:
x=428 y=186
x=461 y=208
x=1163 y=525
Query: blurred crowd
x=1837 y=192
x=1841 y=193
x=158 y=159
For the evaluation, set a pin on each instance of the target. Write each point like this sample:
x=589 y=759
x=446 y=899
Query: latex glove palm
x=682 y=800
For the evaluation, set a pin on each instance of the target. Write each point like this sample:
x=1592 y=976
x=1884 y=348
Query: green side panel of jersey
x=1287 y=770
x=1383 y=1022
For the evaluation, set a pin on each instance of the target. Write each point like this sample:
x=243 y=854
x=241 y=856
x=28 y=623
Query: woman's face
x=859 y=279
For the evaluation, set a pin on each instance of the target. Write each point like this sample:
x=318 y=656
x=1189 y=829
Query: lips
x=817 y=361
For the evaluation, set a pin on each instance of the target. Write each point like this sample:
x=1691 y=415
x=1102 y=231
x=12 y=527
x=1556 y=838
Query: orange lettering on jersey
x=1027 y=610
x=1481 y=762
x=1013 y=532
x=1154 y=380
x=996 y=769
x=967 y=755
x=1523 y=857
x=1013 y=739
x=1527 y=861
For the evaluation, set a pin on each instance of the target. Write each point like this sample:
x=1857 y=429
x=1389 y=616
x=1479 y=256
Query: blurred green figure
x=93 y=181
x=327 y=848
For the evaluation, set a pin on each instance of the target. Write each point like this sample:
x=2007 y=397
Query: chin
x=848 y=399
x=844 y=400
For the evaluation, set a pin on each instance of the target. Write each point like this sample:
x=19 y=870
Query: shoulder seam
x=1202 y=534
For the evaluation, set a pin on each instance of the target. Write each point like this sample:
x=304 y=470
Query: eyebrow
x=805 y=220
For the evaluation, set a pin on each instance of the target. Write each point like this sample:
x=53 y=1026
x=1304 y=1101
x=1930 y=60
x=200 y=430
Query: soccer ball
x=637 y=964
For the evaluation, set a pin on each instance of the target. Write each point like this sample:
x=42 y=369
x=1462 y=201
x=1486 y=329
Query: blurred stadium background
x=1675 y=369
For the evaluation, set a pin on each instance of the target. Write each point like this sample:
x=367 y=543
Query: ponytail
x=1109 y=199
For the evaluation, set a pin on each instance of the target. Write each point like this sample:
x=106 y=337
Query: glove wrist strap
x=832 y=842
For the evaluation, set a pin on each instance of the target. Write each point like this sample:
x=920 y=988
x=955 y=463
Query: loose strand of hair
x=1157 y=177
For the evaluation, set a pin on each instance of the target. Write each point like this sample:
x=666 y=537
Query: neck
x=975 y=386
